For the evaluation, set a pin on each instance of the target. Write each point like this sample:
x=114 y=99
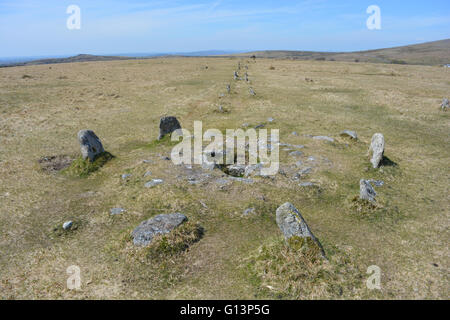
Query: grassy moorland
x=234 y=256
x=428 y=53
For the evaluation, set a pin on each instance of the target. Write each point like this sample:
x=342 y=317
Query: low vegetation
x=83 y=167
x=238 y=253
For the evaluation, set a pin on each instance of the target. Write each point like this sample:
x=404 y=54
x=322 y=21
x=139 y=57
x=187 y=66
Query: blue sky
x=38 y=28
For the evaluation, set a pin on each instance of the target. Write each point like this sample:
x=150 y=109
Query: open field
x=243 y=257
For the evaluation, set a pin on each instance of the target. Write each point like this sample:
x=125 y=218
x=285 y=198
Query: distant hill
x=78 y=58
x=14 y=62
x=430 y=53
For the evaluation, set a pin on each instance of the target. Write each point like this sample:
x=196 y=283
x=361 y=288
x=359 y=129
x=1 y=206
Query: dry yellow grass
x=122 y=101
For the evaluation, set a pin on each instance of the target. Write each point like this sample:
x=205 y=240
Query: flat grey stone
x=153 y=183
x=249 y=211
x=377 y=183
x=295 y=146
x=168 y=125
x=349 y=133
x=244 y=180
x=115 y=211
x=305 y=171
x=90 y=144
x=325 y=138
x=296 y=153
x=160 y=224
x=294 y=133
x=376 y=149
x=222 y=181
x=148 y=173
x=125 y=176
x=270 y=119
x=306 y=184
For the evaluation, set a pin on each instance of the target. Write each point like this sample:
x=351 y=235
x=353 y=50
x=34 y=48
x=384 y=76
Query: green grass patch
x=83 y=167
x=165 y=141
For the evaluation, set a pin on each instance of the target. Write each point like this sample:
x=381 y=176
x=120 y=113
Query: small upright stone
x=252 y=92
x=90 y=144
x=292 y=224
x=376 y=149
x=445 y=104
x=228 y=89
x=168 y=125
x=67 y=225
x=236 y=76
x=366 y=191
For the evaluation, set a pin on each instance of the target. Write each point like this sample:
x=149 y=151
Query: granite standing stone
x=90 y=144
x=291 y=223
x=366 y=191
x=168 y=125
x=376 y=149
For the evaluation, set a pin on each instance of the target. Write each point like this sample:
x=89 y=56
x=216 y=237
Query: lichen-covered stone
x=366 y=191
x=292 y=224
x=160 y=224
x=236 y=170
x=376 y=149
x=90 y=145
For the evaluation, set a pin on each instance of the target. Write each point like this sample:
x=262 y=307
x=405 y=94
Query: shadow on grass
x=388 y=162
